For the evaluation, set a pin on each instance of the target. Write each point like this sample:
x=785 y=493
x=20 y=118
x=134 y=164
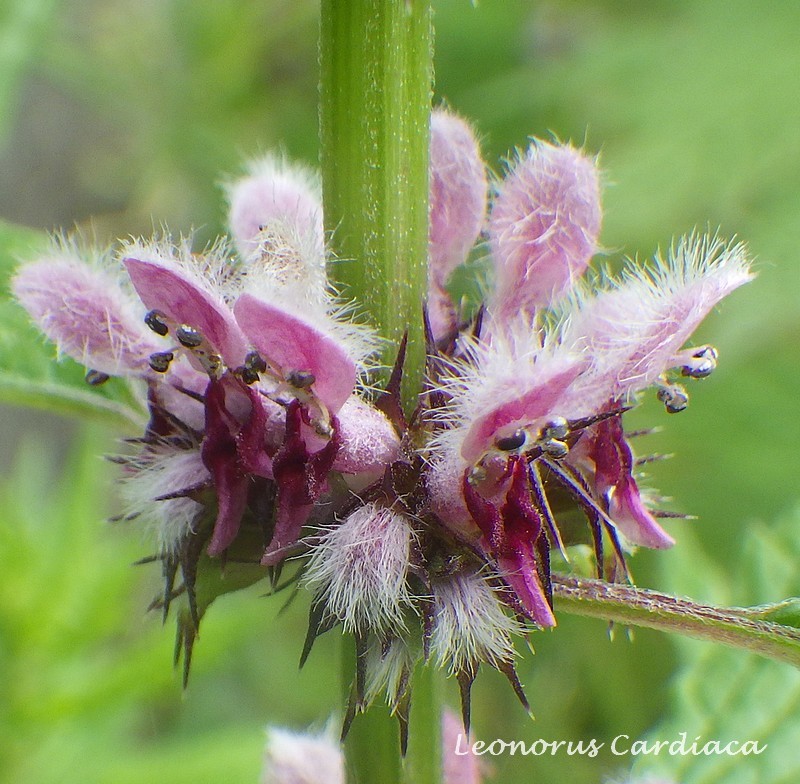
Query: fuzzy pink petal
x=369 y=441
x=290 y=343
x=528 y=407
x=519 y=571
x=457 y=194
x=613 y=479
x=543 y=227
x=167 y=289
x=635 y=330
x=274 y=192
x=632 y=517
x=86 y=313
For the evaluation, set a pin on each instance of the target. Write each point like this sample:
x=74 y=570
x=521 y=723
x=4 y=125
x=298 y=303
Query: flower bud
x=83 y=309
x=543 y=227
x=274 y=192
x=457 y=208
x=359 y=569
x=294 y=758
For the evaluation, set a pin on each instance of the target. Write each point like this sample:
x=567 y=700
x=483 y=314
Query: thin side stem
x=653 y=610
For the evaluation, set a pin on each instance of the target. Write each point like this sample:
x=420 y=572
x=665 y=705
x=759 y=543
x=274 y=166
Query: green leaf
x=29 y=373
x=722 y=694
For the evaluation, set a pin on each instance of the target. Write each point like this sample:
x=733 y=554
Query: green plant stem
x=638 y=607
x=372 y=748
x=375 y=96
x=423 y=763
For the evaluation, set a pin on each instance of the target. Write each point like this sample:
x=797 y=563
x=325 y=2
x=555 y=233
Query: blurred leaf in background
x=720 y=694
x=121 y=115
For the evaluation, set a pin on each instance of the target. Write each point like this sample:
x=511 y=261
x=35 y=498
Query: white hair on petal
x=159 y=472
x=214 y=270
x=494 y=373
x=633 y=327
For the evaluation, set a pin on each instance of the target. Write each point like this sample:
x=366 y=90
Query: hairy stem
x=375 y=95
x=638 y=607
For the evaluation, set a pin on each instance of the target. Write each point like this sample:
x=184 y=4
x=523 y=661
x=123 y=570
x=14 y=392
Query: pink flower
x=535 y=402
x=426 y=535
x=244 y=373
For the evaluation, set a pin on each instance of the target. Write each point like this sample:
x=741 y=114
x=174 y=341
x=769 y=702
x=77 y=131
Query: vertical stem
x=376 y=78
x=423 y=763
x=372 y=749
x=375 y=94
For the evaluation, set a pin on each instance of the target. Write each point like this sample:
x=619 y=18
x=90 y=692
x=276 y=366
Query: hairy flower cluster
x=427 y=536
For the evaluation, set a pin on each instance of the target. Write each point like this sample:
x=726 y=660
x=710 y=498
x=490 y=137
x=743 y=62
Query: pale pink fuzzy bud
x=359 y=570
x=543 y=228
x=369 y=441
x=634 y=331
x=295 y=758
x=460 y=764
x=85 y=312
x=275 y=192
x=470 y=625
x=457 y=207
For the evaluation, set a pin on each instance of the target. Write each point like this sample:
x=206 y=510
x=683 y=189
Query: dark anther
x=160 y=361
x=554 y=448
x=188 y=337
x=254 y=361
x=94 y=378
x=512 y=442
x=300 y=379
x=674 y=398
x=155 y=320
x=702 y=364
x=248 y=375
x=557 y=428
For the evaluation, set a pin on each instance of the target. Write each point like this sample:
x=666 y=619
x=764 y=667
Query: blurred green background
x=120 y=116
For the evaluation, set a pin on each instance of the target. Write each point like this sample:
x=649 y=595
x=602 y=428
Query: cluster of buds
x=427 y=535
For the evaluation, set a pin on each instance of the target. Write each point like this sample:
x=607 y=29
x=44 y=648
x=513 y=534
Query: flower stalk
x=638 y=607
